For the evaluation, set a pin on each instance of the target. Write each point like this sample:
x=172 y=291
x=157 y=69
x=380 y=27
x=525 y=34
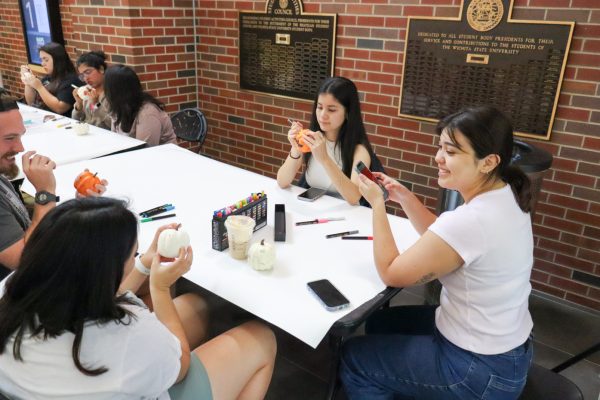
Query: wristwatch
x=44 y=197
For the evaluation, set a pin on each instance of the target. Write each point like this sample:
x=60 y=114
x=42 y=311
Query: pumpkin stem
x=262 y=242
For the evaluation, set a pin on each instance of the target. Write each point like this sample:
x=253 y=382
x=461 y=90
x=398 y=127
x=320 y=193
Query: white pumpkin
x=171 y=240
x=261 y=256
x=82 y=92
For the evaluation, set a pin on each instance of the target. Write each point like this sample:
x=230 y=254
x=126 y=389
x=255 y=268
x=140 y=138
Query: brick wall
x=248 y=129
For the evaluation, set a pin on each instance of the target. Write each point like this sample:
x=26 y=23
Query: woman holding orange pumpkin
x=334 y=144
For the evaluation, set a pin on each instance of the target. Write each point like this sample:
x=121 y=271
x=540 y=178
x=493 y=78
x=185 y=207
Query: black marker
x=334 y=235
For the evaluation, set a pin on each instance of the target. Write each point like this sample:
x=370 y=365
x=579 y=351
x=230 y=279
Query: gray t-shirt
x=14 y=219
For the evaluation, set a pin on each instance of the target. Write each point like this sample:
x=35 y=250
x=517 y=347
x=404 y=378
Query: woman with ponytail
x=477 y=343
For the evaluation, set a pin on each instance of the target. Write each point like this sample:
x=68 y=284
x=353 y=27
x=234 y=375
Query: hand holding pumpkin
x=88 y=184
x=147 y=257
x=163 y=275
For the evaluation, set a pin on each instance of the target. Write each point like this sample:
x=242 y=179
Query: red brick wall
x=248 y=129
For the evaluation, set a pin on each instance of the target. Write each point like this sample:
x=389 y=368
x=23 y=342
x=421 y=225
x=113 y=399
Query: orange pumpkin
x=86 y=181
x=300 y=139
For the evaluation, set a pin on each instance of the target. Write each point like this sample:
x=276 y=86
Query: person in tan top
x=134 y=112
x=93 y=107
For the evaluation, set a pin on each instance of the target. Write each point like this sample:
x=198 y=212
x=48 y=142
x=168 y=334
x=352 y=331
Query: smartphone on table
x=311 y=194
x=361 y=168
x=331 y=298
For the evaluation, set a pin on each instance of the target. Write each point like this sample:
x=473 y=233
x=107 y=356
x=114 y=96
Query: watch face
x=42 y=197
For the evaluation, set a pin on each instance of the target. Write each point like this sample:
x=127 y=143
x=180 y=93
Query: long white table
x=63 y=145
x=197 y=186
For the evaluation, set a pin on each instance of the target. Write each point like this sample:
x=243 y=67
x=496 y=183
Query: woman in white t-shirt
x=70 y=326
x=477 y=343
x=337 y=141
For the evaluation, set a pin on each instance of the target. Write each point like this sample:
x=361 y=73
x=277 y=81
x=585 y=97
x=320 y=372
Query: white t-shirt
x=316 y=175
x=484 y=303
x=143 y=361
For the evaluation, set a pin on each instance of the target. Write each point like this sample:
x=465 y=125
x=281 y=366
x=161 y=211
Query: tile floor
x=560 y=331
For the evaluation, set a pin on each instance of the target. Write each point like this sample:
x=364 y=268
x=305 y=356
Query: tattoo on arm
x=425 y=278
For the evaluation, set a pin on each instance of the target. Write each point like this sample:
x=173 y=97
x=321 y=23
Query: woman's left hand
x=93 y=95
x=316 y=142
x=370 y=190
x=31 y=80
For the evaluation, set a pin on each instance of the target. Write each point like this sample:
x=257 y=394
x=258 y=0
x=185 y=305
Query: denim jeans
x=419 y=363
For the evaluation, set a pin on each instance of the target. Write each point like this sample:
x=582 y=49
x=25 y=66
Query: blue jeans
x=404 y=356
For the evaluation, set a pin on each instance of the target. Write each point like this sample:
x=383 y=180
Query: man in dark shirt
x=15 y=223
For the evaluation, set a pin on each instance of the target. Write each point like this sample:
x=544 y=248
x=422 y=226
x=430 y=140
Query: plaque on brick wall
x=485 y=57
x=284 y=51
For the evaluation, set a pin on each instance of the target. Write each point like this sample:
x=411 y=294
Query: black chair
x=345 y=326
x=548 y=384
x=190 y=124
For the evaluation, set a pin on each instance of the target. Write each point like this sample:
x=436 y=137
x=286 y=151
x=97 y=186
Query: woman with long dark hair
x=136 y=113
x=70 y=326
x=92 y=108
x=53 y=92
x=477 y=343
x=337 y=140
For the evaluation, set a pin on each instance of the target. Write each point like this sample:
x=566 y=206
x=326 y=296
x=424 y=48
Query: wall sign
x=284 y=51
x=485 y=57
x=41 y=24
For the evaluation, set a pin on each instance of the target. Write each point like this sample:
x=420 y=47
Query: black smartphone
x=311 y=194
x=328 y=295
x=361 y=168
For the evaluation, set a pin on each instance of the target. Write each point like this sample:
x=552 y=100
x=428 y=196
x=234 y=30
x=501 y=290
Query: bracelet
x=295 y=158
x=140 y=267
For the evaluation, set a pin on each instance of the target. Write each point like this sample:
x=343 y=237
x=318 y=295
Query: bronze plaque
x=485 y=58
x=284 y=51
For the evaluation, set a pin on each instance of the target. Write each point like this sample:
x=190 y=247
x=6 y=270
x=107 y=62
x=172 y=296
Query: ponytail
x=520 y=184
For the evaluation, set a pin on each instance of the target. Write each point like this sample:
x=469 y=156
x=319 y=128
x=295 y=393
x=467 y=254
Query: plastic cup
x=239 y=232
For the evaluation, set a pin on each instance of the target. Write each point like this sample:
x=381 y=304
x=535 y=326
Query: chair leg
x=335 y=343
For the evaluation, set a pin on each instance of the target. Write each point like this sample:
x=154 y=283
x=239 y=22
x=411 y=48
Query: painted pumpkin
x=171 y=240
x=86 y=180
x=300 y=139
x=261 y=256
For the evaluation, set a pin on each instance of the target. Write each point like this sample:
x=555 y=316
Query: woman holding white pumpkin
x=68 y=319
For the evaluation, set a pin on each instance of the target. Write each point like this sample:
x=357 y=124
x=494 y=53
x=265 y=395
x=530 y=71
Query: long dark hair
x=125 y=96
x=352 y=132
x=490 y=132
x=61 y=64
x=70 y=270
x=95 y=59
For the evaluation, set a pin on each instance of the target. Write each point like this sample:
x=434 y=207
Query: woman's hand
x=93 y=95
x=31 y=80
x=78 y=100
x=162 y=276
x=396 y=190
x=296 y=127
x=318 y=147
x=370 y=190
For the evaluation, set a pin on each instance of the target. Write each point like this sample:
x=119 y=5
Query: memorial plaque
x=485 y=58
x=284 y=51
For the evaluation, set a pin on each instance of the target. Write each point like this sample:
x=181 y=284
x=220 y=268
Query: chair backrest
x=190 y=124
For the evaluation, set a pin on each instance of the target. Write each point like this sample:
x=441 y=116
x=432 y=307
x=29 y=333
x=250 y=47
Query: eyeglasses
x=85 y=73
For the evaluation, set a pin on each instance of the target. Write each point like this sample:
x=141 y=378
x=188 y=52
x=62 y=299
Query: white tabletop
x=62 y=145
x=197 y=186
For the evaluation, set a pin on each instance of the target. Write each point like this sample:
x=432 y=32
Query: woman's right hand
x=78 y=100
x=396 y=189
x=296 y=127
x=163 y=275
